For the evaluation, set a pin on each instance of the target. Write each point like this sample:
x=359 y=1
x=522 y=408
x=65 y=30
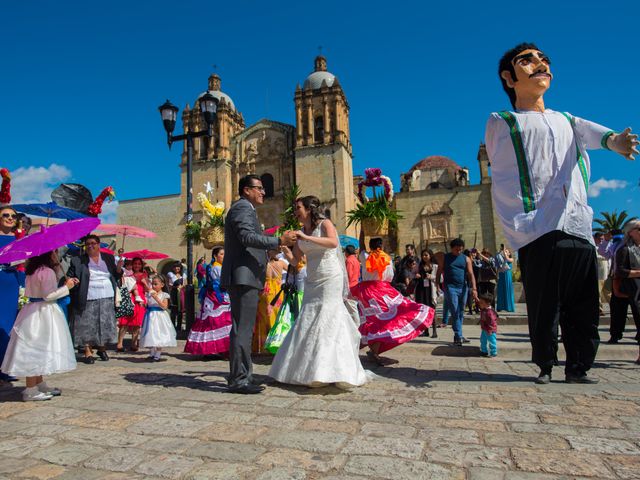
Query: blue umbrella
x=49 y=210
x=347 y=240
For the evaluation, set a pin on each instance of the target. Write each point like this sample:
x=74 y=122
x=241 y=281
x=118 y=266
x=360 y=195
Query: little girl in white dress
x=40 y=342
x=157 y=329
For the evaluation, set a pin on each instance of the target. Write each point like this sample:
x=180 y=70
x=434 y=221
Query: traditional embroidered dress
x=209 y=335
x=40 y=341
x=389 y=318
x=267 y=313
x=157 y=330
x=506 y=300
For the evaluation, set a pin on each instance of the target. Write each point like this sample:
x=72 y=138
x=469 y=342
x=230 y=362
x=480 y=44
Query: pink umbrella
x=47 y=239
x=107 y=250
x=126 y=231
x=145 y=255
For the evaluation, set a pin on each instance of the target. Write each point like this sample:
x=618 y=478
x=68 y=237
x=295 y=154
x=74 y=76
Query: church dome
x=214 y=89
x=314 y=81
x=219 y=95
x=435 y=162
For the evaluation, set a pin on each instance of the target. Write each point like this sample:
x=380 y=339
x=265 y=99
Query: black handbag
x=126 y=304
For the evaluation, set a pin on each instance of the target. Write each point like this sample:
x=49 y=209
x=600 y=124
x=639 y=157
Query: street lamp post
x=169 y=113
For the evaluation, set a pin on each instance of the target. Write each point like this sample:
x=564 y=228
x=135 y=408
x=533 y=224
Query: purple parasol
x=47 y=239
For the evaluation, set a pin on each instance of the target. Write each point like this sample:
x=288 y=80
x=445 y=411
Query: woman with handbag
x=626 y=277
x=426 y=285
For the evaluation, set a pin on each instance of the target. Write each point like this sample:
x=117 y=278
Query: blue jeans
x=491 y=339
x=455 y=299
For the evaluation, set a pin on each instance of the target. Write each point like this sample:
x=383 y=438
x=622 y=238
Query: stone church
x=437 y=199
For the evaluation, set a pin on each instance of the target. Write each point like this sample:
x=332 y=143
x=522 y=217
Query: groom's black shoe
x=247 y=389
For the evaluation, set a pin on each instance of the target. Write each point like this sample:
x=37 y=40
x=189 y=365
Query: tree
x=612 y=221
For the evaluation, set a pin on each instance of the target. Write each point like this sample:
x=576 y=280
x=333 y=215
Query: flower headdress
x=95 y=208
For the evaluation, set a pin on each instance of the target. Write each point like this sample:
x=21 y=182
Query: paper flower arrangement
x=5 y=190
x=213 y=214
x=374 y=178
x=377 y=210
x=212 y=218
x=95 y=208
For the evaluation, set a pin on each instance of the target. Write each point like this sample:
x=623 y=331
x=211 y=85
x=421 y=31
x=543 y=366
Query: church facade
x=436 y=198
x=439 y=203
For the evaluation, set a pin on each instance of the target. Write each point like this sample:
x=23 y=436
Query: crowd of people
x=618 y=259
x=299 y=296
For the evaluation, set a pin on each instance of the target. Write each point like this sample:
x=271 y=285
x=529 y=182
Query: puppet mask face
x=533 y=75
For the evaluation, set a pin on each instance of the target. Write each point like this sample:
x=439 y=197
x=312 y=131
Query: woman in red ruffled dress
x=209 y=335
x=133 y=323
x=388 y=318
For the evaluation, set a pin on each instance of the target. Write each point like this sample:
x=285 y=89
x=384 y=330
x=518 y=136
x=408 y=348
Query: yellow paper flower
x=209 y=209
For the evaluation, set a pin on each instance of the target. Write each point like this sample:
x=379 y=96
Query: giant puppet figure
x=540 y=171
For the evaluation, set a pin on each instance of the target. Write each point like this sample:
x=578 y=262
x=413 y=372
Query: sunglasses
x=257 y=187
x=9 y=215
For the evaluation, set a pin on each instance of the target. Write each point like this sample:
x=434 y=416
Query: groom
x=243 y=272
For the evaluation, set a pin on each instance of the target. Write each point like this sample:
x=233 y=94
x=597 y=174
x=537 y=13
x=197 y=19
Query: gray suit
x=243 y=272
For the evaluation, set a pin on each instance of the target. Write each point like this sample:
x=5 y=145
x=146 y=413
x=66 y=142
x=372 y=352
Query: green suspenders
x=523 y=168
x=581 y=163
x=521 y=159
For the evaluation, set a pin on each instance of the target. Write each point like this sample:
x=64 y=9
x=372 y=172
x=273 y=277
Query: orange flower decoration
x=377 y=261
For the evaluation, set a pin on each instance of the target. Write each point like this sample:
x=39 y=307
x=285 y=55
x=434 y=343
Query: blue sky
x=81 y=81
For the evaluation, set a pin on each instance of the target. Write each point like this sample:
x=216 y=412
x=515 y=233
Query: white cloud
x=109 y=212
x=35 y=184
x=595 y=189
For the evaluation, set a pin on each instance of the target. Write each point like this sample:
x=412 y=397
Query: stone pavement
x=440 y=413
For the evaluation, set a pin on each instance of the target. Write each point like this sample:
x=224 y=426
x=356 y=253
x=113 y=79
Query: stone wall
x=162 y=215
x=468 y=211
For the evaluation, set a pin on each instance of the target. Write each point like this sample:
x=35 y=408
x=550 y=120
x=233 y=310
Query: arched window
x=318 y=130
x=267 y=183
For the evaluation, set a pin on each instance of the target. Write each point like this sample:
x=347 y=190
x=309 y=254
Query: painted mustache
x=547 y=74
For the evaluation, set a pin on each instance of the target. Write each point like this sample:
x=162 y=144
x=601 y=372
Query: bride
x=322 y=347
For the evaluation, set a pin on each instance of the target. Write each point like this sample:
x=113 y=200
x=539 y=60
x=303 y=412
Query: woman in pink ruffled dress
x=389 y=319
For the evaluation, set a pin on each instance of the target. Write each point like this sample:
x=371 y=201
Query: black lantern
x=209 y=109
x=169 y=113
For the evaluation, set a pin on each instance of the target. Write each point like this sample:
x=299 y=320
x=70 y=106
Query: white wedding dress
x=322 y=347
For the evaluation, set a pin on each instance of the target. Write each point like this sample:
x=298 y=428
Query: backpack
x=501 y=263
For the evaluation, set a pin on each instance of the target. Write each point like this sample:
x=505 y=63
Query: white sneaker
x=44 y=388
x=35 y=397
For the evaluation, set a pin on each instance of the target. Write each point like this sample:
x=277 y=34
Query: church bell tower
x=323 y=147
